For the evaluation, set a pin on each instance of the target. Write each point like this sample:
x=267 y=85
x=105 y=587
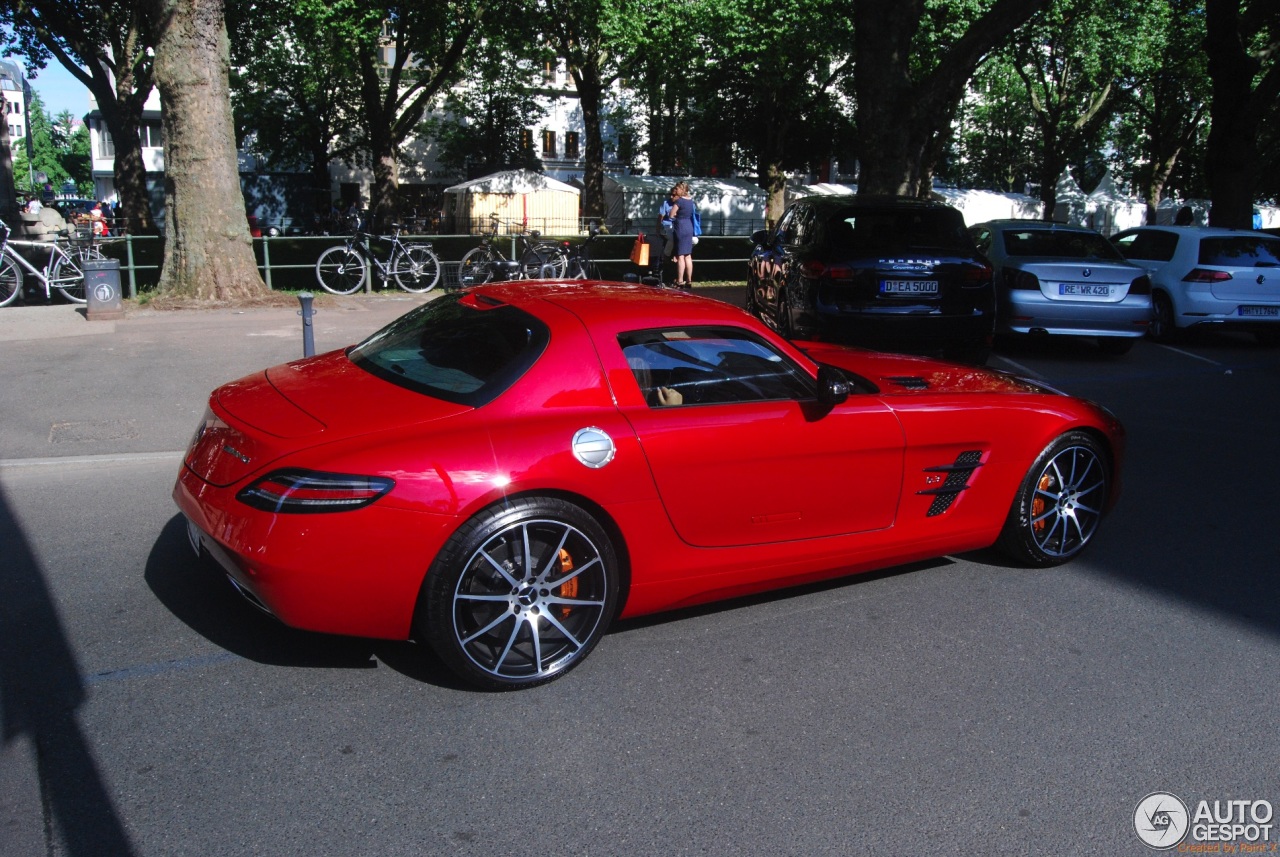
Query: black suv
x=883 y=272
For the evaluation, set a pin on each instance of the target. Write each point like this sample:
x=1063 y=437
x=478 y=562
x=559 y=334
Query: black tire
x=504 y=619
x=1116 y=346
x=1059 y=503
x=783 y=323
x=341 y=270
x=1163 y=328
x=417 y=269
x=475 y=267
x=10 y=281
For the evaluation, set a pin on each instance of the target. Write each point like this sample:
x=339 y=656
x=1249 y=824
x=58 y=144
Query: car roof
x=615 y=305
x=1192 y=230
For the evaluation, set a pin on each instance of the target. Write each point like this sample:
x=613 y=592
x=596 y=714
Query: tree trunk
x=129 y=171
x=589 y=94
x=1232 y=160
x=8 y=194
x=208 y=254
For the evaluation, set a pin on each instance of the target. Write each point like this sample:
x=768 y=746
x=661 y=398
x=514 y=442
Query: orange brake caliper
x=1037 y=505
x=568 y=589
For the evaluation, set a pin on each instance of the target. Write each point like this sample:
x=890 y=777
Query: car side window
x=786 y=227
x=706 y=366
x=981 y=237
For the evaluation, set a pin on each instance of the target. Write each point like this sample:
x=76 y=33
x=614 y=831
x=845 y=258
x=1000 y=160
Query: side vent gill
x=908 y=382
x=957 y=481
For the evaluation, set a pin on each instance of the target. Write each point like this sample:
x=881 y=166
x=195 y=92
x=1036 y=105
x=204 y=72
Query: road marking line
x=1189 y=354
x=82 y=460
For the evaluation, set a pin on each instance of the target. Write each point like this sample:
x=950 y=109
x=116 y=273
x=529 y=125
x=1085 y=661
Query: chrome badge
x=235 y=453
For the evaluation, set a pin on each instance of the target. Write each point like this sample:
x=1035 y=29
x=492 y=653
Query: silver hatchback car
x=1064 y=280
x=1208 y=276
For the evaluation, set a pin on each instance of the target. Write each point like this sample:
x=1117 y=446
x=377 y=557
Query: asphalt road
x=960 y=706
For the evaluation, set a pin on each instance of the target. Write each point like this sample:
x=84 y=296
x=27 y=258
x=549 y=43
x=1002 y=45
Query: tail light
x=1015 y=279
x=1204 y=275
x=813 y=270
x=303 y=491
x=1140 y=286
x=976 y=276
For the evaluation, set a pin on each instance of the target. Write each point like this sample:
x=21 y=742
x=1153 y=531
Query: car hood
x=263 y=416
x=907 y=375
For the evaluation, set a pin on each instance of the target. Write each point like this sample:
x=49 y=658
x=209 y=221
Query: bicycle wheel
x=554 y=260
x=537 y=264
x=341 y=270
x=416 y=269
x=10 y=281
x=67 y=276
x=475 y=267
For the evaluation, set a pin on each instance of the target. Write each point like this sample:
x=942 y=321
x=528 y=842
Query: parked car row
x=907 y=275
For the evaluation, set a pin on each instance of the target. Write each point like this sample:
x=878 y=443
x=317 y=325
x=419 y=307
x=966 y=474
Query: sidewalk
x=75 y=387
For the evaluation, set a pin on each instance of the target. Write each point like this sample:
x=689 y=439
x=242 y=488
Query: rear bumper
x=1031 y=312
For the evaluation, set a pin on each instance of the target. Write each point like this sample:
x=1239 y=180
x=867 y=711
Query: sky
x=58 y=89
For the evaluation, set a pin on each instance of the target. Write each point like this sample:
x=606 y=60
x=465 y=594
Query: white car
x=1208 y=276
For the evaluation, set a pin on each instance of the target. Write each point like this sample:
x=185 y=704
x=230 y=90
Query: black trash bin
x=102 y=289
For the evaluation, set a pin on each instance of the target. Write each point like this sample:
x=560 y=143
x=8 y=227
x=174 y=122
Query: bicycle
x=63 y=271
x=486 y=263
x=343 y=268
x=579 y=265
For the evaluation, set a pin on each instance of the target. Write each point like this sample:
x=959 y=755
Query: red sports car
x=504 y=470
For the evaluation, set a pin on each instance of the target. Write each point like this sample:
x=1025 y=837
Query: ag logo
x=1161 y=820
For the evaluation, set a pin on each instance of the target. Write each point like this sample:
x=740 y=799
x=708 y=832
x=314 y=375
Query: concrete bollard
x=308 y=336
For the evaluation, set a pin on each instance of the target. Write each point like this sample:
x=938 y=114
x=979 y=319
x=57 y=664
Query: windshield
x=467 y=353
x=1059 y=243
x=873 y=232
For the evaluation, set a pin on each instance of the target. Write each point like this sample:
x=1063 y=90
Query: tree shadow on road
x=41 y=688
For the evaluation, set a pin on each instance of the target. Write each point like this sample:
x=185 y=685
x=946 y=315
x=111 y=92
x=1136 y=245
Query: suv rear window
x=874 y=232
x=467 y=353
x=1241 y=251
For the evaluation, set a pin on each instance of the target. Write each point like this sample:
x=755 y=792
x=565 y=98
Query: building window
x=106 y=146
x=571 y=144
x=548 y=144
x=526 y=139
x=149 y=135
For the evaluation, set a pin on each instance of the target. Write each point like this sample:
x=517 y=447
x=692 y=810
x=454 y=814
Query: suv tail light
x=1204 y=275
x=814 y=270
x=975 y=276
x=1015 y=279
x=1140 y=285
x=301 y=491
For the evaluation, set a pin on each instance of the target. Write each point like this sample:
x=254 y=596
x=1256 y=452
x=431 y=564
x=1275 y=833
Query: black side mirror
x=760 y=237
x=833 y=387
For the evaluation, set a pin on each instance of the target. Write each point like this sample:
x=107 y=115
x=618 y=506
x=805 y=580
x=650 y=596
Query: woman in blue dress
x=684 y=219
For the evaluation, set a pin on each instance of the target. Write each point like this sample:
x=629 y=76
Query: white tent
x=1110 y=211
x=1071 y=206
x=522 y=199
x=979 y=206
x=725 y=206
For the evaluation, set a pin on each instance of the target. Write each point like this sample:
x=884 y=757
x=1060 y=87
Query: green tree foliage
x=58 y=148
x=995 y=138
x=107 y=46
x=294 y=86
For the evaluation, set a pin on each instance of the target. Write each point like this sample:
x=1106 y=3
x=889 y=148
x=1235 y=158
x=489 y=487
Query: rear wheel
x=416 y=269
x=520 y=594
x=10 y=281
x=1163 y=327
x=341 y=270
x=67 y=276
x=1059 y=504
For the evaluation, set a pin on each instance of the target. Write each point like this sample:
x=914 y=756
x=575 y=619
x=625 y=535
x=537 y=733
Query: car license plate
x=909 y=287
x=1092 y=290
x=193 y=536
x=1260 y=310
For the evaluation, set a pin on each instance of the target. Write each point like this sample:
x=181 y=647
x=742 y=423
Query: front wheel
x=67 y=276
x=416 y=269
x=476 y=266
x=10 y=281
x=1059 y=504
x=341 y=270
x=520 y=594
